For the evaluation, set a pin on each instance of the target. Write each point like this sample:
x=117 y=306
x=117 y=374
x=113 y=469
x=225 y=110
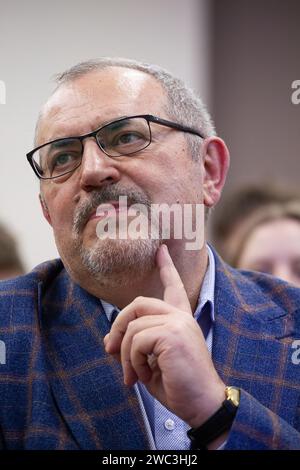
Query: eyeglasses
x=122 y=137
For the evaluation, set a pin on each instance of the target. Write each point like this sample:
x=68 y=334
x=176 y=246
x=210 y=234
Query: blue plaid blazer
x=59 y=389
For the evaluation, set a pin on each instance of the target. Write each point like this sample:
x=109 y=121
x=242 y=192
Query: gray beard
x=114 y=262
x=119 y=262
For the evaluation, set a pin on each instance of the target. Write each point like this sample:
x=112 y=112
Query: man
x=187 y=326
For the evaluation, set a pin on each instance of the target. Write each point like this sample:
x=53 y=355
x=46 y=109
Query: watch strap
x=218 y=423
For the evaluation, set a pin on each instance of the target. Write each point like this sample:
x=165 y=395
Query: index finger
x=174 y=291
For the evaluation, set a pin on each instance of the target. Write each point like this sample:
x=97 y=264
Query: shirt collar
x=207 y=292
x=109 y=310
x=206 y=296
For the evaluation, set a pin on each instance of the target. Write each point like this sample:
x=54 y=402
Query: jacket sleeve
x=255 y=427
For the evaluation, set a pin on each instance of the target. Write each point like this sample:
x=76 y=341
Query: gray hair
x=183 y=104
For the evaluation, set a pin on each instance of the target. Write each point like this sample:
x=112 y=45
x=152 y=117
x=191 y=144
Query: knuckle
x=135 y=341
x=130 y=326
x=177 y=327
x=139 y=300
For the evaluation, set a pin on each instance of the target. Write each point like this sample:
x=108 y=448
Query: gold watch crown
x=233 y=394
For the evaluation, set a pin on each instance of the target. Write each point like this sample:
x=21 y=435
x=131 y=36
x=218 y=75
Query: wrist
x=209 y=404
x=214 y=430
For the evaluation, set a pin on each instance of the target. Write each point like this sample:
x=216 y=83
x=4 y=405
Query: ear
x=45 y=209
x=216 y=164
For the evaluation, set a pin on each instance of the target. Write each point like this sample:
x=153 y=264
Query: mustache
x=107 y=194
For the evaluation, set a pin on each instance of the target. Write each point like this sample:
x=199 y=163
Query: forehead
x=87 y=102
x=279 y=236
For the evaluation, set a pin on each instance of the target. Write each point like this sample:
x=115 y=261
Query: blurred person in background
x=269 y=241
x=10 y=261
x=237 y=207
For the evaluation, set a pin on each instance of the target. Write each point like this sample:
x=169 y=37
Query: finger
x=143 y=358
x=116 y=356
x=134 y=328
x=174 y=291
x=140 y=307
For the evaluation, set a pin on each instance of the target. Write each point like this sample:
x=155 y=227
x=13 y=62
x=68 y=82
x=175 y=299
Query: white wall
x=41 y=38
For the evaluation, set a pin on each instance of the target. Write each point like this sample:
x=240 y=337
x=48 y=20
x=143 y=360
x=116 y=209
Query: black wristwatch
x=218 y=423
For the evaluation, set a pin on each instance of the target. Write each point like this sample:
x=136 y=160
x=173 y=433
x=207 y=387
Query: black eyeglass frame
x=148 y=117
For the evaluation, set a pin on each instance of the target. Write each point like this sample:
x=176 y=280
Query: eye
x=262 y=266
x=62 y=159
x=124 y=137
x=264 y=269
x=128 y=138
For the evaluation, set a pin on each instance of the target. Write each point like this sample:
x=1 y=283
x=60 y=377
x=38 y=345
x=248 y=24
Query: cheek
x=147 y=175
x=61 y=215
x=60 y=205
x=176 y=176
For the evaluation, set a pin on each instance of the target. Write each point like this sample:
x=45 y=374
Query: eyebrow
x=63 y=142
x=116 y=125
x=59 y=142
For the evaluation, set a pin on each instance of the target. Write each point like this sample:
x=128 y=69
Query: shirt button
x=169 y=424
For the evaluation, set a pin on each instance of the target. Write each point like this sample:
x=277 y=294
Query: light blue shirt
x=166 y=430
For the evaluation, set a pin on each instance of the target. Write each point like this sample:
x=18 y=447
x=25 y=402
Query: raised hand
x=160 y=344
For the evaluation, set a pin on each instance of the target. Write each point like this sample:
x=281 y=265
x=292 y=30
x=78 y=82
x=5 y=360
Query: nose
x=97 y=168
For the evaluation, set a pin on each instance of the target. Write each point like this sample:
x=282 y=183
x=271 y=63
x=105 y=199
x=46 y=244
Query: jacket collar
x=254 y=318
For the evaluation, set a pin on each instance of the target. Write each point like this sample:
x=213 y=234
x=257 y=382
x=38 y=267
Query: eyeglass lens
x=118 y=138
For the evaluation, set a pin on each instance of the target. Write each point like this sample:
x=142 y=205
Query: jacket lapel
x=87 y=384
x=252 y=333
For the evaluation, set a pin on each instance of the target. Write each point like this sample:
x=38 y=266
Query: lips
x=105 y=209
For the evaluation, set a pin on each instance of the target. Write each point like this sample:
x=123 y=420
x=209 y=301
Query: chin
x=110 y=258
